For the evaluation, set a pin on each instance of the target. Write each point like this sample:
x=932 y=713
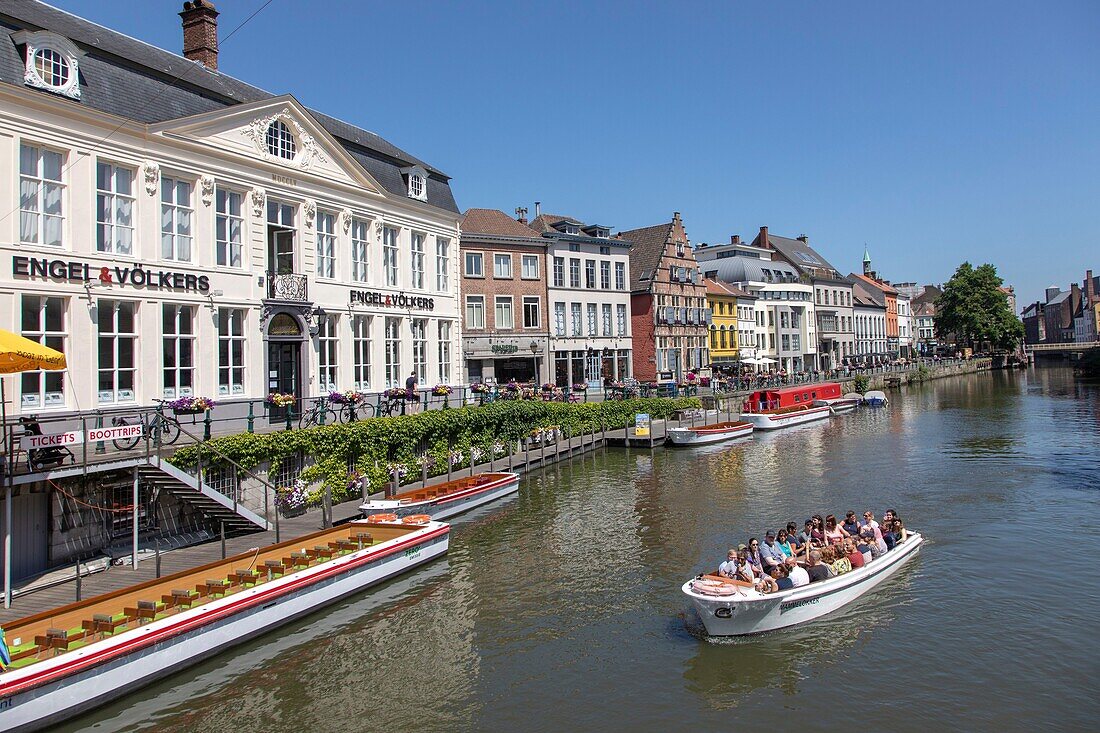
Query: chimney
x=735 y=239
x=200 y=33
x=803 y=238
x=1052 y=292
x=764 y=238
x=521 y=214
x=538 y=209
x=1090 y=290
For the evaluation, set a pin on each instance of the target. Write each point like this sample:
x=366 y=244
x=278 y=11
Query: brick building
x=668 y=302
x=503 y=285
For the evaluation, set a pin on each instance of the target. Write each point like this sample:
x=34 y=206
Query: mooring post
x=158 y=556
x=78 y=580
x=222 y=525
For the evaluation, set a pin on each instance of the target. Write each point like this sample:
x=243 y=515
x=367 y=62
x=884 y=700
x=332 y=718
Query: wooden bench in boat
x=212 y=588
x=56 y=639
x=102 y=624
x=320 y=552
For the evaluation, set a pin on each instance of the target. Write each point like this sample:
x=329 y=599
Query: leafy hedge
x=370 y=445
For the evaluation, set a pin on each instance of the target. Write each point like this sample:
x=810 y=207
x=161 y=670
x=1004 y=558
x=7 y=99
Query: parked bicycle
x=320 y=413
x=157 y=427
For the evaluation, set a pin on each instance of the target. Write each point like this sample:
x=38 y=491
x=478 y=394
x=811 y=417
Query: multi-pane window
x=605 y=319
x=576 y=318
x=503 y=313
x=559 y=319
x=43 y=321
x=442 y=264
x=389 y=255
x=590 y=274
x=280 y=141
x=531 y=317
x=360 y=248
x=475 y=311
x=559 y=272
x=530 y=267
x=114 y=209
x=178 y=366
x=475 y=264
x=393 y=352
x=326 y=244
x=229 y=227
x=417 y=260
x=327 y=353
x=502 y=265
x=592 y=319
x=620 y=276
x=420 y=348
x=574 y=272
x=40 y=191
x=52 y=68
x=361 y=350
x=230 y=352
x=445 y=352
x=175 y=219
x=605 y=275
x=117 y=341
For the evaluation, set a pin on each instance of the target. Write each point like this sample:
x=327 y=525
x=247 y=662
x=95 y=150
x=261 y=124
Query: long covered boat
x=769 y=409
x=710 y=433
x=730 y=608
x=447 y=499
x=785 y=417
x=85 y=654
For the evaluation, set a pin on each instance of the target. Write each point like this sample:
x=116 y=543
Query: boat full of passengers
x=83 y=655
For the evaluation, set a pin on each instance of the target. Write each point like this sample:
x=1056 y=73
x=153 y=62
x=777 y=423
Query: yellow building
x=722 y=301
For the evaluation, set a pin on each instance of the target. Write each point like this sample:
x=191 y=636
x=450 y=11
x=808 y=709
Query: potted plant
x=442 y=390
x=191 y=405
x=512 y=386
x=397 y=393
x=355 y=482
x=347 y=397
x=548 y=387
x=280 y=399
x=291 y=500
x=479 y=388
x=580 y=386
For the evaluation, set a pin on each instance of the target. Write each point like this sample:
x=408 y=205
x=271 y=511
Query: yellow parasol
x=18 y=354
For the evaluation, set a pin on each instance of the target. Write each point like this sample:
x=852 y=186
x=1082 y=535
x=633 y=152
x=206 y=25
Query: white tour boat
x=785 y=417
x=710 y=433
x=446 y=499
x=80 y=656
x=730 y=608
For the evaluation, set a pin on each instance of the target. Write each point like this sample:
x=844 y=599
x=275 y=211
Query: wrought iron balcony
x=287 y=286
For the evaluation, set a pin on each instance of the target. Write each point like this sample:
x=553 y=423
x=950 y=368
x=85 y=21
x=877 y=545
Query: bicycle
x=159 y=428
x=355 y=411
x=319 y=414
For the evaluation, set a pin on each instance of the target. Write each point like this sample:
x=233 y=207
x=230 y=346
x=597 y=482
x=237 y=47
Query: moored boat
x=876 y=398
x=730 y=608
x=76 y=657
x=785 y=417
x=447 y=499
x=715 y=433
x=769 y=409
x=840 y=404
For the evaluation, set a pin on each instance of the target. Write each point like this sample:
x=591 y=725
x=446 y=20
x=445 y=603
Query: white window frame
x=326 y=244
x=41 y=184
x=328 y=353
x=576 y=318
x=116 y=338
x=559 y=272
x=228 y=227
x=361 y=327
x=475 y=312
x=444 y=329
x=418 y=328
x=114 y=208
x=177 y=219
x=231 y=337
x=360 y=250
x=469 y=257
x=176 y=342
x=559 y=318
x=593 y=322
x=590 y=274
x=416 y=257
x=574 y=272
x=502 y=265
x=392 y=350
x=279 y=141
x=37 y=382
x=504 y=314
x=605 y=320
x=390 y=236
x=536 y=301
x=605 y=275
x=442 y=264
x=620 y=318
x=68 y=54
x=529 y=267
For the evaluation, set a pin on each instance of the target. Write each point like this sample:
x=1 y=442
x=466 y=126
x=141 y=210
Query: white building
x=589 y=299
x=197 y=236
x=905 y=326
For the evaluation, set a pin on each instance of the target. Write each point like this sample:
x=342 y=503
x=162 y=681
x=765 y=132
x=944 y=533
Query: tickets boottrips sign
x=133 y=276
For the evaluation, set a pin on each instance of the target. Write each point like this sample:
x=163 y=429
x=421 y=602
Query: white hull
x=77 y=681
x=769 y=421
x=753 y=613
x=687 y=436
x=442 y=507
x=840 y=405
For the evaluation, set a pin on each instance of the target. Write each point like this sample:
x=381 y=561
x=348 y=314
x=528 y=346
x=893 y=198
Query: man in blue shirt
x=770 y=554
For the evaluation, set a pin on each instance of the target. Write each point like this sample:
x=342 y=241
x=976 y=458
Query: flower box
x=191 y=405
x=280 y=399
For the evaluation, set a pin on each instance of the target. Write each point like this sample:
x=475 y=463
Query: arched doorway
x=284 y=337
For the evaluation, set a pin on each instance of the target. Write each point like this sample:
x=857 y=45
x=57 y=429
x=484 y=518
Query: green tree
x=974 y=309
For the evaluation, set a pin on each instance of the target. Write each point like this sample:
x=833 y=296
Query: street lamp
x=315 y=317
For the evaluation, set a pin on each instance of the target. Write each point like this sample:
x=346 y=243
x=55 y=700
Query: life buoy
x=382 y=518
x=417 y=519
x=713 y=588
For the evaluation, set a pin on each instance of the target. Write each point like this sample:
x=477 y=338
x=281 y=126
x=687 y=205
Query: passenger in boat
x=806 y=537
x=864 y=549
x=755 y=560
x=888 y=535
x=900 y=533
x=834 y=535
x=782 y=578
x=840 y=563
x=766 y=584
x=868 y=520
x=783 y=541
x=728 y=569
x=875 y=542
x=793 y=538
x=798 y=575
x=817 y=570
x=855 y=557
x=818 y=532
x=770 y=553
x=851 y=524
x=744 y=568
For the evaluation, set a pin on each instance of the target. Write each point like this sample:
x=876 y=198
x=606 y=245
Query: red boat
x=768 y=409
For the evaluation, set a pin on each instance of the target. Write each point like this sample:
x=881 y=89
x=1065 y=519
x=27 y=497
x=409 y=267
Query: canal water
x=560 y=609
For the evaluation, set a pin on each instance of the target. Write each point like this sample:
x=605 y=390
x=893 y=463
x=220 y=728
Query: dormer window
x=417 y=180
x=52 y=62
x=280 y=141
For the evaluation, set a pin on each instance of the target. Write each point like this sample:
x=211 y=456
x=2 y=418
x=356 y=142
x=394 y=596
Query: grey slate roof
x=864 y=295
x=805 y=258
x=126 y=77
x=744 y=269
x=648 y=246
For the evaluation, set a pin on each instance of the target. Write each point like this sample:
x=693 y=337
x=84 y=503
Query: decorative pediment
x=278 y=131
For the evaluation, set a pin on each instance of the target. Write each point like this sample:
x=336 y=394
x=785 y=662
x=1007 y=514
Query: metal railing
x=287 y=286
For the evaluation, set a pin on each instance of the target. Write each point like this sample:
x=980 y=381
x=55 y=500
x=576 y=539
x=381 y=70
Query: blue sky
x=933 y=131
